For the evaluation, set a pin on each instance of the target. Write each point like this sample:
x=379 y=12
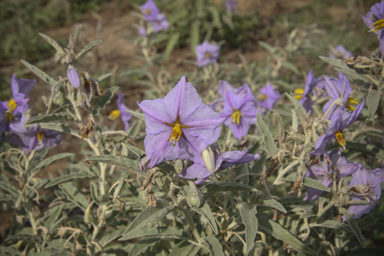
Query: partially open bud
x=73 y=77
x=58 y=98
x=209 y=158
x=144 y=163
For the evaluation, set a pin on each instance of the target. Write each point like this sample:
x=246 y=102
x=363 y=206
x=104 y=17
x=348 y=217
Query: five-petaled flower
x=305 y=95
x=267 y=97
x=207 y=53
x=150 y=10
x=179 y=125
x=120 y=111
x=339 y=121
x=159 y=23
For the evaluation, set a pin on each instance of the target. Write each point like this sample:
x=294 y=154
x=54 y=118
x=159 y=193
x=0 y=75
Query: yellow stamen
x=378 y=25
x=340 y=138
x=40 y=136
x=176 y=131
x=207 y=55
x=299 y=94
x=236 y=117
x=262 y=97
x=147 y=11
x=351 y=101
x=114 y=114
x=11 y=105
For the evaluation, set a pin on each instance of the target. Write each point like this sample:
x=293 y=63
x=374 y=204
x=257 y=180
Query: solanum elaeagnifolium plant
x=222 y=161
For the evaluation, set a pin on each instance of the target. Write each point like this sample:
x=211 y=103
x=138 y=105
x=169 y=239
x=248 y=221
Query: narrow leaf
x=373 y=100
x=353 y=225
x=270 y=146
x=59 y=127
x=182 y=249
x=86 y=49
x=116 y=160
x=69 y=177
x=143 y=245
x=48 y=161
x=52 y=42
x=102 y=77
x=136 y=114
x=275 y=204
x=53 y=217
x=315 y=184
x=74 y=195
x=106 y=239
x=38 y=72
x=334 y=224
x=215 y=247
x=159 y=232
x=56 y=117
x=104 y=100
x=207 y=213
x=295 y=124
x=248 y=216
x=172 y=42
x=213 y=187
x=296 y=104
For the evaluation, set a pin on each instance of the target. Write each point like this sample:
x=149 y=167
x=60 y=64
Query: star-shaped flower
x=120 y=111
x=207 y=53
x=267 y=97
x=149 y=10
x=159 y=23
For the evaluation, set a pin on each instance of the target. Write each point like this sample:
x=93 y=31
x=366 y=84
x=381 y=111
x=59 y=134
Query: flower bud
x=208 y=157
x=143 y=164
x=179 y=166
x=73 y=77
x=194 y=198
x=58 y=98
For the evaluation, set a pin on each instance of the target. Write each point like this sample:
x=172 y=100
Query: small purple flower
x=338 y=89
x=374 y=20
x=339 y=121
x=73 y=77
x=339 y=52
x=159 y=23
x=220 y=162
x=179 y=126
x=142 y=31
x=305 y=95
x=240 y=113
x=323 y=172
x=120 y=111
x=243 y=91
x=207 y=53
x=267 y=97
x=231 y=5
x=366 y=186
x=150 y=10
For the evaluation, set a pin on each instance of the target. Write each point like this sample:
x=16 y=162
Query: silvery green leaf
x=136 y=150
x=52 y=42
x=172 y=42
x=270 y=146
x=334 y=224
x=86 y=49
x=59 y=127
x=136 y=114
x=248 y=217
x=38 y=157
x=28 y=238
x=215 y=247
x=373 y=100
x=195 y=34
x=296 y=104
x=168 y=231
x=106 y=239
x=315 y=184
x=56 y=117
x=104 y=100
x=6 y=186
x=207 y=213
x=79 y=27
x=6 y=198
x=74 y=195
x=135 y=129
x=295 y=124
x=282 y=234
x=370 y=219
x=143 y=245
x=342 y=67
x=53 y=217
x=41 y=74
x=268 y=47
x=95 y=193
x=184 y=249
x=116 y=160
x=7 y=250
x=291 y=66
x=281 y=126
x=70 y=177
x=48 y=161
x=275 y=204
x=102 y=77
x=353 y=225
x=150 y=215
x=213 y=187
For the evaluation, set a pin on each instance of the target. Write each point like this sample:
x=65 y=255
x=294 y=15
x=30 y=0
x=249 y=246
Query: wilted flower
x=73 y=77
x=231 y=5
x=207 y=53
x=323 y=172
x=120 y=111
x=159 y=23
x=338 y=89
x=366 y=186
x=374 y=20
x=339 y=52
x=240 y=113
x=215 y=161
x=267 y=97
x=150 y=10
x=305 y=95
x=179 y=126
x=339 y=121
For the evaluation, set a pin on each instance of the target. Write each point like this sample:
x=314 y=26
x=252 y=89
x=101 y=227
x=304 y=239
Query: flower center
x=147 y=11
x=114 y=114
x=176 y=131
x=40 y=136
x=11 y=107
x=207 y=55
x=236 y=117
x=262 y=97
x=299 y=94
x=351 y=101
x=340 y=138
x=378 y=25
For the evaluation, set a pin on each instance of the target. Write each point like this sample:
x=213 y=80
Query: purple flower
x=142 y=31
x=219 y=162
x=339 y=52
x=323 y=172
x=243 y=91
x=339 y=121
x=305 y=95
x=231 y=5
x=374 y=20
x=207 y=53
x=267 y=97
x=73 y=77
x=240 y=113
x=120 y=111
x=159 y=23
x=179 y=126
x=338 y=89
x=366 y=186
x=150 y=10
